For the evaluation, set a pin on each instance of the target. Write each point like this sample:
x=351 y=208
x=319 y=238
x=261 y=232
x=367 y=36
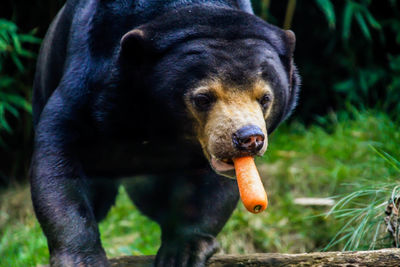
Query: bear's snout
x=249 y=139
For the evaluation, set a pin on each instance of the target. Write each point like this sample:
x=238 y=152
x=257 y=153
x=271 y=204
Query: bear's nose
x=249 y=138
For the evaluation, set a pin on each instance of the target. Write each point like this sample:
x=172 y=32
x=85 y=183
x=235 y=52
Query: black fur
x=106 y=108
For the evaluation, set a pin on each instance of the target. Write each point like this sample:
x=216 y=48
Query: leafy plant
x=362 y=15
x=371 y=73
x=12 y=51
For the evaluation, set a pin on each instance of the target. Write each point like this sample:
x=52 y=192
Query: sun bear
x=165 y=92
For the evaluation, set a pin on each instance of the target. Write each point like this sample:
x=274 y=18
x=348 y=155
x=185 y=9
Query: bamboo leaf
x=371 y=20
x=16 y=43
x=363 y=25
x=17 y=62
x=6 y=81
x=11 y=109
x=26 y=53
x=27 y=38
x=3 y=122
x=16 y=100
x=327 y=8
x=347 y=19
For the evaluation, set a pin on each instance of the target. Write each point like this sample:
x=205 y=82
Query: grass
x=335 y=158
x=364 y=209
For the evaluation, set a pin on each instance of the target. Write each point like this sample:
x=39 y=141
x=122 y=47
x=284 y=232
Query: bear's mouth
x=223 y=167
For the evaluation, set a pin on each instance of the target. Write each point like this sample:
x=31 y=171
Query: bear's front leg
x=59 y=192
x=198 y=208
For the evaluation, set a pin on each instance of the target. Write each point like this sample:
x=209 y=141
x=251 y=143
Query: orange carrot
x=251 y=188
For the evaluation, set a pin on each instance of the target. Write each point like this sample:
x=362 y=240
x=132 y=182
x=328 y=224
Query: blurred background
x=340 y=145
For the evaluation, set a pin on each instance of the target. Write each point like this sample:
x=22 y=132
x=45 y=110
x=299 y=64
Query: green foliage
x=13 y=99
x=11 y=43
x=22 y=242
x=369 y=82
x=363 y=16
x=363 y=85
x=122 y=230
x=361 y=211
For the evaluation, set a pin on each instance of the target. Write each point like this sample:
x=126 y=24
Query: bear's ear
x=290 y=44
x=136 y=47
x=290 y=41
x=293 y=77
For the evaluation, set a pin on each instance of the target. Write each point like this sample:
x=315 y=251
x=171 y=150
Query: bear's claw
x=193 y=252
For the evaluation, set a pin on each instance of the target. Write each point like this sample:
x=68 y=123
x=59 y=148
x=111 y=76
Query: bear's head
x=232 y=73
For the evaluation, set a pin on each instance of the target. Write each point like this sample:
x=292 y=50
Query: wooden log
x=374 y=258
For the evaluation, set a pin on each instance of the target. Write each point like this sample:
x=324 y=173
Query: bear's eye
x=203 y=101
x=265 y=100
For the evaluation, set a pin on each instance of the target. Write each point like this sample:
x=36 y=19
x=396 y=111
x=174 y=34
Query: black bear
x=166 y=92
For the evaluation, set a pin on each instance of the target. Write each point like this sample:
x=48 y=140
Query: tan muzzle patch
x=231 y=113
x=233 y=109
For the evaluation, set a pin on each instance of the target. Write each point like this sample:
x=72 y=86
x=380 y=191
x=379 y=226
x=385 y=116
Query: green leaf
x=16 y=100
x=362 y=81
x=5 y=39
x=394 y=62
x=363 y=25
x=6 y=82
x=347 y=19
x=16 y=42
x=344 y=86
x=7 y=25
x=11 y=109
x=17 y=62
x=26 y=53
x=371 y=20
x=28 y=38
x=3 y=122
x=327 y=8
